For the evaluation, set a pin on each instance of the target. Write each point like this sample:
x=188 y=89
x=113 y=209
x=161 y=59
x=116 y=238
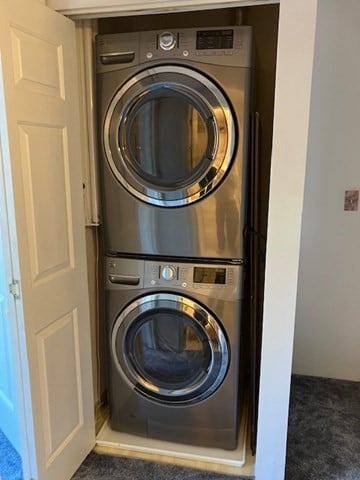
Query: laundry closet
x=61 y=308
x=117 y=35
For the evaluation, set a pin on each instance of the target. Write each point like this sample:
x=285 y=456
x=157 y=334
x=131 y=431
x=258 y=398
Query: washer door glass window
x=170 y=348
x=169 y=136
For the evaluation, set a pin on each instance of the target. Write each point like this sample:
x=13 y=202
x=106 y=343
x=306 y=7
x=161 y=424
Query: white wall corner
x=327 y=334
x=297 y=28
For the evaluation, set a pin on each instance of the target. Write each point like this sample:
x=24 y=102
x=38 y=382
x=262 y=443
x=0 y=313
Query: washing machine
x=173 y=127
x=174 y=336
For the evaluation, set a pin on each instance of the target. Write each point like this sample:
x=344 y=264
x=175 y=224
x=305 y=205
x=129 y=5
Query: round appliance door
x=169 y=136
x=170 y=348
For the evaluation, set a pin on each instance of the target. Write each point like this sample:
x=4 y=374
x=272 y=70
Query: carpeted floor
x=324 y=430
x=102 y=467
x=10 y=461
x=323 y=440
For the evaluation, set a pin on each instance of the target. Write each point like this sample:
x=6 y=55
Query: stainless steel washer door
x=169 y=135
x=170 y=348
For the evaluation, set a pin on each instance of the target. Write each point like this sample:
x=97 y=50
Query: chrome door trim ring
x=221 y=165
x=209 y=325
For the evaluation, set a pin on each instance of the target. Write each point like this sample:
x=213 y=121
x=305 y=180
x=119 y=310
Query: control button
x=152 y=282
x=149 y=55
x=168 y=272
x=186 y=53
x=167 y=41
x=184 y=284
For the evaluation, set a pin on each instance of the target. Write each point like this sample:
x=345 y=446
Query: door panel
x=42 y=123
x=38 y=63
x=44 y=154
x=58 y=347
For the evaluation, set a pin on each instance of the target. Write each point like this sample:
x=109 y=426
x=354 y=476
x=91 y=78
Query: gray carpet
x=323 y=440
x=324 y=430
x=10 y=461
x=101 y=467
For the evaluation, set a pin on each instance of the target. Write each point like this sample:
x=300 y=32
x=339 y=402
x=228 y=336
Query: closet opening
x=264 y=23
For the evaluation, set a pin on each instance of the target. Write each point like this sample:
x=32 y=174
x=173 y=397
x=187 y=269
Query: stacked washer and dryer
x=173 y=115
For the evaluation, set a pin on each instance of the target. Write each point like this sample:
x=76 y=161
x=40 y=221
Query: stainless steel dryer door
x=169 y=135
x=170 y=348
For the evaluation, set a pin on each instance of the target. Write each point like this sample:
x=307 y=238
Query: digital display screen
x=209 y=275
x=214 y=39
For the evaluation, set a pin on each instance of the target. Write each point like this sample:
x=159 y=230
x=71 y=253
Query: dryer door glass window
x=170 y=348
x=169 y=136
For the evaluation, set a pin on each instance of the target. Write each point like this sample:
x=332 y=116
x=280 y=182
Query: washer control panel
x=223 y=281
x=184 y=275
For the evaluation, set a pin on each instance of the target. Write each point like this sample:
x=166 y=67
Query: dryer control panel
x=219 y=45
x=223 y=45
x=222 y=281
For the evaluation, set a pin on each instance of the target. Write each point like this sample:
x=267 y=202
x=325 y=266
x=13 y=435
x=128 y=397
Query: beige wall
x=327 y=334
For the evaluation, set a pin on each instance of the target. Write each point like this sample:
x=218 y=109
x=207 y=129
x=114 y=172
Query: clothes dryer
x=173 y=334
x=173 y=123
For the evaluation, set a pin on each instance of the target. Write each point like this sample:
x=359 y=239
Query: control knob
x=167 y=41
x=168 y=272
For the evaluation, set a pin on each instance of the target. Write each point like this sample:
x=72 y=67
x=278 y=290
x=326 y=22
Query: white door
x=8 y=392
x=40 y=122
